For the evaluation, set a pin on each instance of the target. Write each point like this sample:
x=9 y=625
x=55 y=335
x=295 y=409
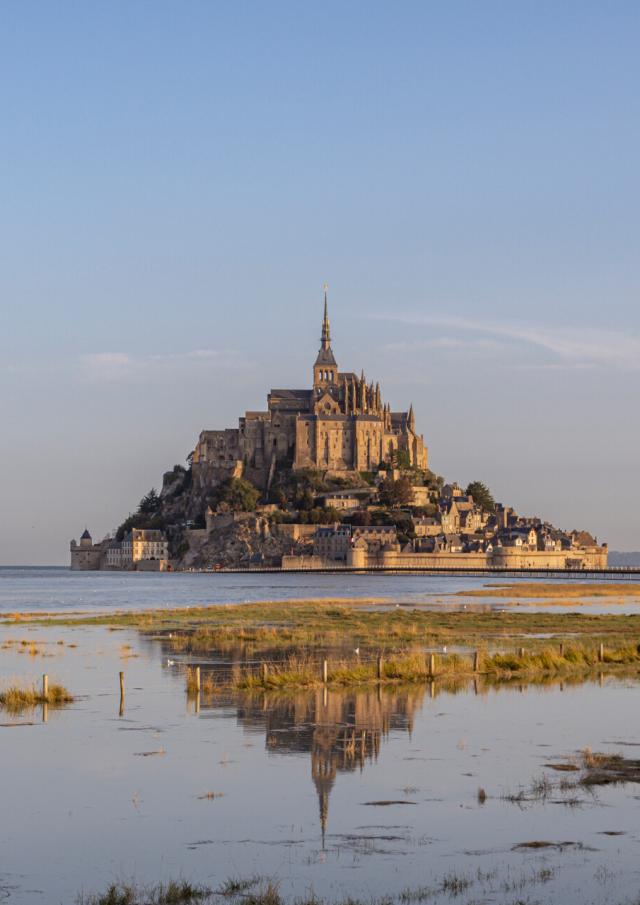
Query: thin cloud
x=106 y=366
x=444 y=342
x=575 y=346
x=121 y=366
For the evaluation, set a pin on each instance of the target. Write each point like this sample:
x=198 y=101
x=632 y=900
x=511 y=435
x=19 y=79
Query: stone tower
x=325 y=369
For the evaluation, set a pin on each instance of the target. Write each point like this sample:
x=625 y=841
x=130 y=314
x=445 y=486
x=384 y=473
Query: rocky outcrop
x=246 y=540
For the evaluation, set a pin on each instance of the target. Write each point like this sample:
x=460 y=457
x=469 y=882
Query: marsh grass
x=235 y=886
x=268 y=894
x=258 y=891
x=208 y=683
x=15 y=698
x=555 y=590
x=602 y=769
x=175 y=892
x=327 y=624
x=588 y=770
x=295 y=671
x=407 y=666
x=455 y=884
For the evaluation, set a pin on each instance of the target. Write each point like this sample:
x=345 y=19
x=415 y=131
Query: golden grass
x=330 y=624
x=208 y=683
x=576 y=660
x=256 y=627
x=555 y=590
x=20 y=697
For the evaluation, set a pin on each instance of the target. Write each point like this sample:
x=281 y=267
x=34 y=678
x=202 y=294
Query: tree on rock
x=481 y=495
x=396 y=493
x=237 y=494
x=400 y=459
x=150 y=503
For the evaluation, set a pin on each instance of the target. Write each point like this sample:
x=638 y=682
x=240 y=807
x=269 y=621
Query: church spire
x=325 y=370
x=326 y=333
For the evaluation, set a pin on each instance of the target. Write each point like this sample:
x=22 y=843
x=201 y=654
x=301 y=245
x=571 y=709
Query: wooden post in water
x=45 y=698
x=325 y=671
x=379 y=668
x=476 y=661
x=561 y=649
x=521 y=651
x=197 y=676
x=121 y=711
x=601 y=652
x=432 y=665
x=265 y=672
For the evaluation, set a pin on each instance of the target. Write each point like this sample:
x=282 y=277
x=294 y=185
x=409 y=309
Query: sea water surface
x=29 y=589
x=361 y=792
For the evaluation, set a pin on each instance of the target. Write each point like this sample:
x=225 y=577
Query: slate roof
x=325 y=357
x=291 y=394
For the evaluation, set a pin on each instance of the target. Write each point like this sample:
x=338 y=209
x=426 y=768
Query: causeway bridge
x=619 y=573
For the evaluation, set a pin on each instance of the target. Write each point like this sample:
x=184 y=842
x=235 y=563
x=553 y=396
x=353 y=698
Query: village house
x=141 y=548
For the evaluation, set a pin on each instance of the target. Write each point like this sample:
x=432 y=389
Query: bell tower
x=325 y=369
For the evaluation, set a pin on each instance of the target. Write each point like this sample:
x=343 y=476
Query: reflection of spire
x=340 y=730
x=323 y=771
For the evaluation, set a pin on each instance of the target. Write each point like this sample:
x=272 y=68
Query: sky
x=179 y=179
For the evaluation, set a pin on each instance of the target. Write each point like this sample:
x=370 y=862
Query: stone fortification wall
x=309 y=562
x=296 y=531
x=392 y=559
x=152 y=565
x=511 y=558
x=86 y=559
x=505 y=558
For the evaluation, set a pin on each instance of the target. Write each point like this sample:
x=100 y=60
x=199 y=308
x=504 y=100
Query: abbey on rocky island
x=339 y=425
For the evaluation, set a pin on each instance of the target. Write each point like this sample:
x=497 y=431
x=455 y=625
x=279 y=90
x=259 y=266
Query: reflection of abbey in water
x=341 y=730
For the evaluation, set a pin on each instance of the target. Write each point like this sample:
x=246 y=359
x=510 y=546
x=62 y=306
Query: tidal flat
x=468 y=788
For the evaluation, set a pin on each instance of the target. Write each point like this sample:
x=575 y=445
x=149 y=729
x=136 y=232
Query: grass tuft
x=20 y=697
x=175 y=892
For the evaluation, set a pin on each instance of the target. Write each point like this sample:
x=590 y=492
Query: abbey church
x=341 y=424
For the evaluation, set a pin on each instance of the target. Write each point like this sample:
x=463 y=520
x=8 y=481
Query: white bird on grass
x=171 y=662
x=444 y=649
x=357 y=651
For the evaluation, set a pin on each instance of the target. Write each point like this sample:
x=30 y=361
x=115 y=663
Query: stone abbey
x=339 y=481
x=339 y=425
